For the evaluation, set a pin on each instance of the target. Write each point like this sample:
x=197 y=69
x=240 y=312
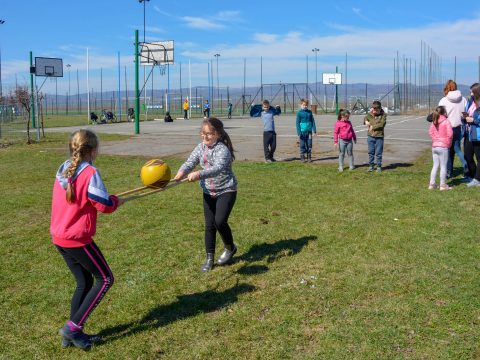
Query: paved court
x=405 y=138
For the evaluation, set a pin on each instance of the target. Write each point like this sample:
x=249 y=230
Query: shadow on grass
x=271 y=252
x=186 y=306
x=396 y=165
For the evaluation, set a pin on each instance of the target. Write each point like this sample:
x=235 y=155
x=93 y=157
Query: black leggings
x=216 y=211
x=86 y=263
x=469 y=149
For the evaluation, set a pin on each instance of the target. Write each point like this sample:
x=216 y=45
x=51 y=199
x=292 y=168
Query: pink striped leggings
x=87 y=263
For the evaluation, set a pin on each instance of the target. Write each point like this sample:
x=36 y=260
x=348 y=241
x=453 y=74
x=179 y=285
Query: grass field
x=330 y=266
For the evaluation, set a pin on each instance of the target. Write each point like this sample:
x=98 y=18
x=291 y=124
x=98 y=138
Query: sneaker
x=370 y=169
x=226 y=256
x=93 y=339
x=273 y=160
x=268 y=161
x=340 y=169
x=351 y=168
x=445 y=187
x=379 y=169
x=77 y=338
x=474 y=182
x=432 y=186
x=466 y=179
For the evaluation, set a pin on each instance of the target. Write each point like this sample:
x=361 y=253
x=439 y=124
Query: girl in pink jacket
x=78 y=194
x=343 y=137
x=442 y=134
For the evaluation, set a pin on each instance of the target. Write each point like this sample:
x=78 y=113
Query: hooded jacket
x=73 y=225
x=455 y=104
x=441 y=137
x=344 y=130
x=305 y=122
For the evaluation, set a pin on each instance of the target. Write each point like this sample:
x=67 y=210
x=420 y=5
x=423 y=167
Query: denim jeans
x=344 y=145
x=375 y=149
x=456 y=149
x=305 y=143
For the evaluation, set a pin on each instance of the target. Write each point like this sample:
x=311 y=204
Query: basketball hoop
x=162 y=69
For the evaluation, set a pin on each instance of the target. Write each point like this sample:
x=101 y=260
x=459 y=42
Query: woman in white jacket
x=455 y=103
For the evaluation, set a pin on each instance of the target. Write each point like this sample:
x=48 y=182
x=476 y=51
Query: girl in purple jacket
x=343 y=137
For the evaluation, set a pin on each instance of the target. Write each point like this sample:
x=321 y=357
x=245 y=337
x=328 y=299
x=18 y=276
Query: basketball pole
x=32 y=100
x=137 y=95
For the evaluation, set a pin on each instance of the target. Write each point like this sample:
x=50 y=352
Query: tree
x=22 y=97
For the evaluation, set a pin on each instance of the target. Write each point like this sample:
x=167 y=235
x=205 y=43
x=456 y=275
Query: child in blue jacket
x=305 y=129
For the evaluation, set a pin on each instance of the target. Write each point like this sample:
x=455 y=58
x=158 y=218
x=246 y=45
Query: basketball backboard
x=332 y=78
x=157 y=53
x=48 y=67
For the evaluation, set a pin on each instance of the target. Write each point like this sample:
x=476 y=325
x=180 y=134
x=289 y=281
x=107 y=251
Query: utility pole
x=218 y=83
x=68 y=95
x=143 y=1
x=315 y=50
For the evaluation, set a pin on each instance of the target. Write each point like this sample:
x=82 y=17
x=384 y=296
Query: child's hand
x=180 y=175
x=335 y=146
x=194 y=176
x=120 y=201
x=469 y=119
x=355 y=141
x=367 y=123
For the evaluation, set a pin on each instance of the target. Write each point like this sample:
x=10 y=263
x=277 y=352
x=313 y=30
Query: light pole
x=218 y=86
x=315 y=50
x=143 y=1
x=1 y=89
x=68 y=95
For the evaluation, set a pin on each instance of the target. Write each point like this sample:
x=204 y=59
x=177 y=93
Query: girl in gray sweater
x=215 y=155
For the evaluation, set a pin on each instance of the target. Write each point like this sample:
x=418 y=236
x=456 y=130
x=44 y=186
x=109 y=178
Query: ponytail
x=440 y=110
x=82 y=143
x=223 y=136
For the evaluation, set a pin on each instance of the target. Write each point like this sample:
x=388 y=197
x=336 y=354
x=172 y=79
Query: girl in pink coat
x=442 y=134
x=343 y=137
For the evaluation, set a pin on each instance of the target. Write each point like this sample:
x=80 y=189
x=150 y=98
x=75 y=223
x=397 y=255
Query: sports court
x=405 y=138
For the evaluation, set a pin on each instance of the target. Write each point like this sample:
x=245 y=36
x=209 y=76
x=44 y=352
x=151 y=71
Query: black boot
x=302 y=157
x=227 y=255
x=309 y=157
x=208 y=263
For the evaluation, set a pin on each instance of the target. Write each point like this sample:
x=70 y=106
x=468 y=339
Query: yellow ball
x=155 y=173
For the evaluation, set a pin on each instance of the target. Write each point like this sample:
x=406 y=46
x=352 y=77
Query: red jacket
x=343 y=130
x=441 y=137
x=73 y=225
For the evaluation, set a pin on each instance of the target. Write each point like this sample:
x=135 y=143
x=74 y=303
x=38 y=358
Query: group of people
x=343 y=135
x=455 y=121
x=79 y=192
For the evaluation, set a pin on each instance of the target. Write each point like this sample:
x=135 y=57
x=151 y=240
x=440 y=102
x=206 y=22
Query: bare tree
x=22 y=97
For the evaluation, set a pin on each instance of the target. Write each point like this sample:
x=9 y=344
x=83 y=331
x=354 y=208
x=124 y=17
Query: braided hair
x=82 y=144
x=223 y=136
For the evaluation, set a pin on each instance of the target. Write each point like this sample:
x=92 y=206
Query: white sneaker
x=474 y=182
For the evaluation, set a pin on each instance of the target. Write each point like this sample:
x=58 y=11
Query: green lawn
x=330 y=266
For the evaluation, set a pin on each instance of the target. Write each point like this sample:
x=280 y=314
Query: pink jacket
x=343 y=130
x=441 y=137
x=73 y=225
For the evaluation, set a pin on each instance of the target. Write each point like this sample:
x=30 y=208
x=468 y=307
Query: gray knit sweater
x=216 y=176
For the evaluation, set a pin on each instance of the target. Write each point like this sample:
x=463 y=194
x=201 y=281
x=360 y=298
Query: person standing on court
x=454 y=104
x=269 y=134
x=375 y=121
x=305 y=124
x=472 y=135
x=185 y=109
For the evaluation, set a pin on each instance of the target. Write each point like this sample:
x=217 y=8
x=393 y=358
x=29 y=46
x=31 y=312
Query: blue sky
x=370 y=32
